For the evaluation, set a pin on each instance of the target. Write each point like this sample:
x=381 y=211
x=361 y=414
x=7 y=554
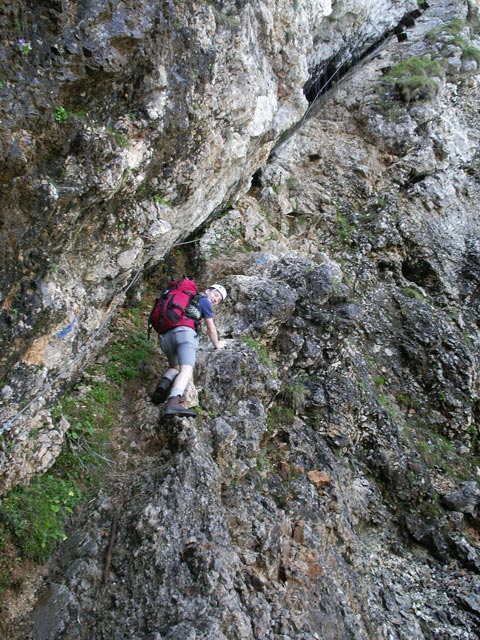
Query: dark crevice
x=325 y=75
x=257 y=179
x=420 y=272
x=415 y=178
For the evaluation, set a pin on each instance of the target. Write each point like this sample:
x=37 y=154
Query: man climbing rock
x=180 y=345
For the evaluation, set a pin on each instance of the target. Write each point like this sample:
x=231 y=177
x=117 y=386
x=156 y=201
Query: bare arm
x=212 y=332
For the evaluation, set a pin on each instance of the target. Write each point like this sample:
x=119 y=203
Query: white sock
x=176 y=391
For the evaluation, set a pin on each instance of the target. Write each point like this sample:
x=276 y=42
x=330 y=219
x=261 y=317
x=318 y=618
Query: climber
x=180 y=346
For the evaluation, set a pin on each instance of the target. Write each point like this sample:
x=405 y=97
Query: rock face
x=329 y=488
x=123 y=129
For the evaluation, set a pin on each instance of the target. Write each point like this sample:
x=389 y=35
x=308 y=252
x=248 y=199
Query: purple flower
x=25 y=47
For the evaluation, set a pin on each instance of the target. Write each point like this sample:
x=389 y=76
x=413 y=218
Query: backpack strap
x=149 y=321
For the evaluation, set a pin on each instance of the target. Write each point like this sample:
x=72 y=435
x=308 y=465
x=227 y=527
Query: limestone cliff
x=124 y=127
x=329 y=488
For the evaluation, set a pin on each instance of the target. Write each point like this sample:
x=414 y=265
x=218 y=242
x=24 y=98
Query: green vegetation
x=452 y=29
x=24 y=46
x=279 y=415
x=262 y=353
x=127 y=357
x=345 y=228
x=450 y=34
x=79 y=115
x=410 y=292
x=33 y=518
x=415 y=79
x=223 y=19
x=293 y=395
x=35 y=515
x=291 y=182
x=61 y=115
x=434 y=449
x=121 y=139
x=264 y=463
x=161 y=200
x=469 y=52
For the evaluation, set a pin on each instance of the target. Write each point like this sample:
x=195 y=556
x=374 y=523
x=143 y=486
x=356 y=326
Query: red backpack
x=169 y=309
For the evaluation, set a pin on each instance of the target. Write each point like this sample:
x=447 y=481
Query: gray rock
x=52 y=618
x=465 y=499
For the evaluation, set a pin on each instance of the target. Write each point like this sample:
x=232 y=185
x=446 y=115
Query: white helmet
x=221 y=290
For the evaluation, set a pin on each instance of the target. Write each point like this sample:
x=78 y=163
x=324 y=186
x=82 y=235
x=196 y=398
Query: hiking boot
x=161 y=391
x=175 y=407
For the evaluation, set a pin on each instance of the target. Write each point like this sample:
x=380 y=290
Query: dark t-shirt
x=206 y=308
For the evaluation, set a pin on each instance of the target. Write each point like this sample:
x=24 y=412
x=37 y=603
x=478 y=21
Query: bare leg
x=182 y=379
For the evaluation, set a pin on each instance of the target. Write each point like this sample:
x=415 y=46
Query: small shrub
x=415 y=79
x=469 y=52
x=293 y=394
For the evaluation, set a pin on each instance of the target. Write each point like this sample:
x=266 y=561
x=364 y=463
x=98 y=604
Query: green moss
x=410 y=292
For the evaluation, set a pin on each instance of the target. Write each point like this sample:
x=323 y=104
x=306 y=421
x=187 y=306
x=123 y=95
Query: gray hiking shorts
x=180 y=346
